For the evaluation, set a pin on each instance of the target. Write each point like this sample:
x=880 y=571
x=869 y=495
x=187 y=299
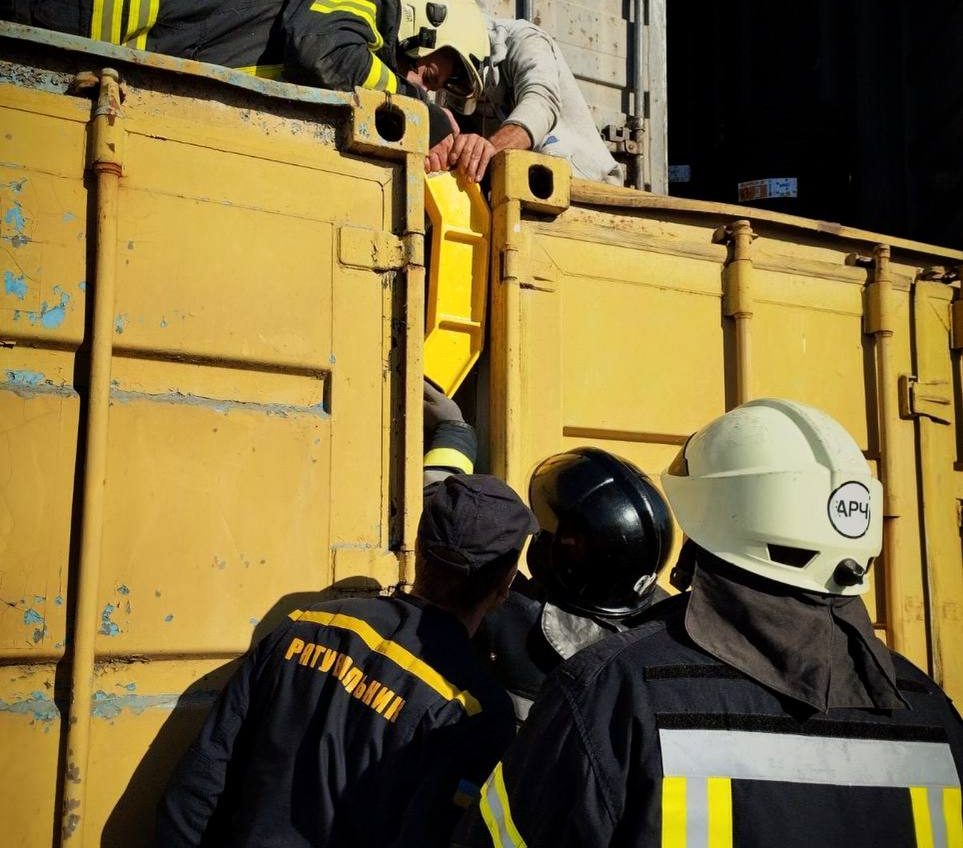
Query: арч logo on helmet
x=849 y=509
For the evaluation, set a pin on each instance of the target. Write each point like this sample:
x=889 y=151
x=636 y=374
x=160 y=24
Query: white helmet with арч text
x=780 y=489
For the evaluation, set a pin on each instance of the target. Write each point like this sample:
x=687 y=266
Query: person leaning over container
x=606 y=532
x=529 y=101
x=759 y=708
x=367 y=721
x=335 y=44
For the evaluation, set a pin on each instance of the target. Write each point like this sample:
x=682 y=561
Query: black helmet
x=606 y=532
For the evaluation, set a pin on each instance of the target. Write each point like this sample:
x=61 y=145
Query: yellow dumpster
x=628 y=320
x=210 y=385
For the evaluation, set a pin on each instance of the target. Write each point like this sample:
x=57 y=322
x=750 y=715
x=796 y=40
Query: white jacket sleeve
x=532 y=70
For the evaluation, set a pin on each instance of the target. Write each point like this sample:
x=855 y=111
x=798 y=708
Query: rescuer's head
x=472 y=530
x=781 y=490
x=447 y=45
x=606 y=533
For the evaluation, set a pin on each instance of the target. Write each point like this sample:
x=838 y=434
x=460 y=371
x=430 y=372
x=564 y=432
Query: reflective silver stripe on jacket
x=748 y=755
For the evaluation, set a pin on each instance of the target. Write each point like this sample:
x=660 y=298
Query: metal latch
x=932 y=399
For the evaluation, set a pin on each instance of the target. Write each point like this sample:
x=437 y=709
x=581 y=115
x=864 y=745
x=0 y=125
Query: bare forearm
x=511 y=137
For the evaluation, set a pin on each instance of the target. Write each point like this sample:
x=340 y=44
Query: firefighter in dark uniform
x=606 y=532
x=336 y=44
x=367 y=722
x=758 y=709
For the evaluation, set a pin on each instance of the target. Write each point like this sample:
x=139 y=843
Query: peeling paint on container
x=15 y=284
x=120 y=322
x=48 y=317
x=32 y=379
x=39 y=707
x=108 y=627
x=281 y=410
x=31 y=616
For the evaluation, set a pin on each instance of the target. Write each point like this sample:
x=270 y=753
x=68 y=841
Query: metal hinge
x=931 y=399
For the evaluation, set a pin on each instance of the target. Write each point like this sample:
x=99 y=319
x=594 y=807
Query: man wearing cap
x=368 y=721
x=759 y=708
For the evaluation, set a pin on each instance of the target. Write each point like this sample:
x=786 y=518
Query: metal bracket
x=359 y=247
x=930 y=399
x=620 y=139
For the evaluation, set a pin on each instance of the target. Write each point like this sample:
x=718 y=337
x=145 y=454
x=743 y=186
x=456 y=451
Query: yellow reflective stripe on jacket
x=105 y=20
x=953 y=816
x=380 y=77
x=937 y=816
x=274 y=72
x=363 y=9
x=696 y=811
x=497 y=814
x=398 y=654
x=141 y=17
x=448 y=458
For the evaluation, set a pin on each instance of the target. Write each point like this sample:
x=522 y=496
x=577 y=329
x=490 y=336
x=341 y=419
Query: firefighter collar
x=568 y=633
x=817 y=649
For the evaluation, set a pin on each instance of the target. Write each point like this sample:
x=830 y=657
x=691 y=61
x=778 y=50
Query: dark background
x=860 y=100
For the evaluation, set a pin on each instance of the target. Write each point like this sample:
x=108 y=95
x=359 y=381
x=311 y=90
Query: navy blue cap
x=472 y=520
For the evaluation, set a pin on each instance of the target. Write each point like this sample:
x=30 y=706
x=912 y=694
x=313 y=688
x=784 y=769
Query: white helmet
x=456 y=24
x=782 y=490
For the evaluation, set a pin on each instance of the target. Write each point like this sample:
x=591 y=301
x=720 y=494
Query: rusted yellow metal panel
x=259 y=434
x=930 y=403
x=627 y=321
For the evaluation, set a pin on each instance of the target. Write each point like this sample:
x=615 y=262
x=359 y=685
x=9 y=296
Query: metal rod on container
x=106 y=138
x=880 y=324
x=738 y=300
x=527 y=9
x=639 y=85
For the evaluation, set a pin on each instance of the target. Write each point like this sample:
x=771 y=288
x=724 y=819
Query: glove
x=438 y=407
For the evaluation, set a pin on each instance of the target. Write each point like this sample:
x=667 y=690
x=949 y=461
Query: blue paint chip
x=39 y=599
x=14 y=217
x=169 y=617
x=82 y=285
x=68 y=217
x=333 y=360
x=14 y=284
x=130 y=687
x=49 y=317
x=17 y=185
x=58 y=646
x=59 y=600
x=31 y=616
x=108 y=627
x=30 y=379
x=254 y=622
x=123 y=590
x=119 y=323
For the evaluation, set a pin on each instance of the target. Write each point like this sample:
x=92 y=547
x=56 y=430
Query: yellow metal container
x=210 y=398
x=210 y=382
x=628 y=320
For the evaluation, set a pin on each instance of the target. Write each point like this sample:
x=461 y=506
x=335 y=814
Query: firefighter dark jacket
x=362 y=722
x=644 y=739
x=336 y=44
